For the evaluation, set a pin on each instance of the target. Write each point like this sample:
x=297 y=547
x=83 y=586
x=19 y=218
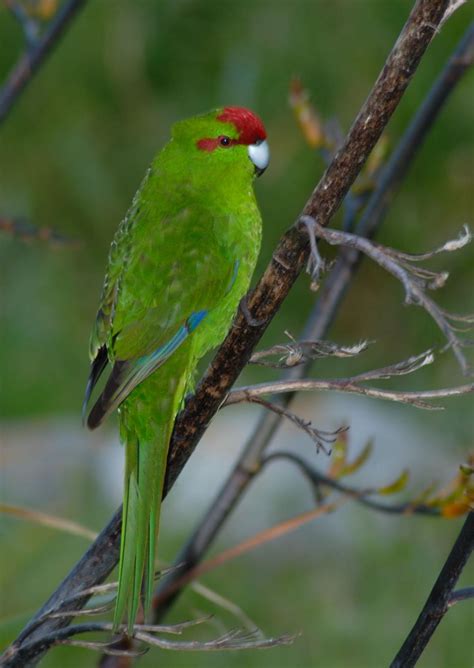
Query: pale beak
x=259 y=154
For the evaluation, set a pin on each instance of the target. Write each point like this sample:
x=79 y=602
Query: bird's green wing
x=119 y=255
x=155 y=297
x=118 y=258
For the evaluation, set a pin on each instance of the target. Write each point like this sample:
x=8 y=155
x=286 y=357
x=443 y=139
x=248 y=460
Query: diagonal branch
x=29 y=26
x=46 y=519
x=439 y=599
x=257 y=540
x=322 y=439
x=287 y=262
x=32 y=59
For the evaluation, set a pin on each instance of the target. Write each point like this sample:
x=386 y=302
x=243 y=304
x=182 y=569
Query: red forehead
x=248 y=125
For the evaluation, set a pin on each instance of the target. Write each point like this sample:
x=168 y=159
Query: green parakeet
x=179 y=264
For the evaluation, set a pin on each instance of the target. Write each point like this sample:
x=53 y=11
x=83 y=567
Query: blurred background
x=72 y=153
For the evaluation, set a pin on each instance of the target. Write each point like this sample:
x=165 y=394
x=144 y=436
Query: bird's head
x=226 y=137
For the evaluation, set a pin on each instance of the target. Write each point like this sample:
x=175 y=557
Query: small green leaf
x=339 y=456
x=397 y=485
x=426 y=495
x=359 y=461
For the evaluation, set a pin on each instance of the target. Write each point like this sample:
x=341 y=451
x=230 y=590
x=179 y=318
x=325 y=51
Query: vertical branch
x=319 y=321
x=438 y=601
x=32 y=59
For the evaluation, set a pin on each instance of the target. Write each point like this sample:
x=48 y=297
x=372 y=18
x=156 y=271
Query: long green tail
x=146 y=422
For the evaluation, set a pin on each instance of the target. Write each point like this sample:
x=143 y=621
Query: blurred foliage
x=73 y=151
x=453 y=499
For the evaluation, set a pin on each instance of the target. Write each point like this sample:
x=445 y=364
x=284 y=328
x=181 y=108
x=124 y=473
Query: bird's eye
x=225 y=141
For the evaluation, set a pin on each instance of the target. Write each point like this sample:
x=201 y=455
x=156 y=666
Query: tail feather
x=146 y=422
x=129 y=532
x=141 y=508
x=149 y=575
x=148 y=481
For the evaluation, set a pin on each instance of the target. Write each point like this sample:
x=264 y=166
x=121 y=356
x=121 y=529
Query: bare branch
x=67 y=607
x=251 y=393
x=460 y=595
x=417 y=399
x=413 y=280
x=29 y=26
x=299 y=352
x=249 y=544
x=22 y=229
x=453 y=6
x=235 y=639
x=439 y=599
x=224 y=603
x=464 y=238
x=362 y=496
x=30 y=62
x=88 y=611
x=319 y=437
x=232 y=640
x=52 y=521
x=410 y=365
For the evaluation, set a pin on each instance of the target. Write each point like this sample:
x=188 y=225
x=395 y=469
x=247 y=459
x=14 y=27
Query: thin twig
x=224 y=603
x=257 y=540
x=403 y=368
x=29 y=26
x=453 y=6
x=26 y=231
x=287 y=262
x=32 y=59
x=320 y=438
x=414 y=282
x=362 y=496
x=439 y=599
x=52 y=521
x=417 y=399
x=235 y=639
x=460 y=595
x=298 y=352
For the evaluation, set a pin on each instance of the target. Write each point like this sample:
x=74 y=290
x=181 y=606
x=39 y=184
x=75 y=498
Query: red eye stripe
x=210 y=144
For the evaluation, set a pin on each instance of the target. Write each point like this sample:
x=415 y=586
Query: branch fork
x=415 y=280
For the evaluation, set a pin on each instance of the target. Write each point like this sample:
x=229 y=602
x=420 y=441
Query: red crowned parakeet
x=179 y=264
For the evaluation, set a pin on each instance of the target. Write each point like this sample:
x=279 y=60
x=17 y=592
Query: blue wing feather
x=125 y=376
